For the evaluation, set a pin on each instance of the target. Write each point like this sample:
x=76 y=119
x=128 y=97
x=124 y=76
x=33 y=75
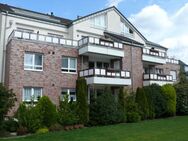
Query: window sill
x=99 y=27
x=68 y=72
x=33 y=70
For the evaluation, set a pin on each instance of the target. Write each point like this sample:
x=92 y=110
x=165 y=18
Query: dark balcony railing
x=154 y=53
x=104 y=73
x=158 y=77
x=43 y=38
x=96 y=41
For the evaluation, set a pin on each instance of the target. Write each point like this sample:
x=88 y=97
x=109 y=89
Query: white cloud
x=167 y=29
x=113 y=3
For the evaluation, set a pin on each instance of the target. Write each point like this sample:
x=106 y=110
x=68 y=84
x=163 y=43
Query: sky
x=161 y=21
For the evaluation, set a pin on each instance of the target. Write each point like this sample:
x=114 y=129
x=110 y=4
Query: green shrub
x=7 y=100
x=42 y=131
x=28 y=117
x=105 y=110
x=55 y=127
x=10 y=125
x=142 y=102
x=82 y=101
x=122 y=103
x=182 y=99
x=47 y=111
x=156 y=101
x=132 y=110
x=67 y=112
x=170 y=95
x=22 y=131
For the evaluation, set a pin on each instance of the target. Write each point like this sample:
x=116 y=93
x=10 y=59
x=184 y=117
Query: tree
x=182 y=99
x=122 y=102
x=7 y=100
x=82 y=100
x=67 y=112
x=142 y=102
x=170 y=95
x=47 y=112
x=105 y=110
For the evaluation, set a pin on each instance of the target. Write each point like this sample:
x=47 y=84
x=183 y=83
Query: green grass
x=171 y=129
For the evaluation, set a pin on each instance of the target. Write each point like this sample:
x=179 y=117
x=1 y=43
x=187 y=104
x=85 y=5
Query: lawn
x=171 y=129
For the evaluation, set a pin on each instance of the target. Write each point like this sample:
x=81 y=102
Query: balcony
x=157 y=79
x=91 y=45
x=172 y=61
x=43 y=38
x=154 y=56
x=106 y=77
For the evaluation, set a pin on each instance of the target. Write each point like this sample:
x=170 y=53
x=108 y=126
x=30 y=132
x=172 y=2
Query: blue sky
x=72 y=8
x=161 y=21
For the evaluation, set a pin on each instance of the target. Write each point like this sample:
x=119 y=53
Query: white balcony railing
x=172 y=61
x=158 y=77
x=97 y=41
x=154 y=53
x=43 y=38
x=104 y=73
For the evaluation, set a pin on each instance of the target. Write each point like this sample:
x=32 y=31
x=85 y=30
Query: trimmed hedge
x=156 y=101
x=142 y=102
x=182 y=99
x=170 y=95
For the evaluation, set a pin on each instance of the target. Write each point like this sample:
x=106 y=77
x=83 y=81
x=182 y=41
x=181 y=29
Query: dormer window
x=99 y=21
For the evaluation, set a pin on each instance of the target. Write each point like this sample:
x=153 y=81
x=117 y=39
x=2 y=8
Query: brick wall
x=133 y=63
x=51 y=79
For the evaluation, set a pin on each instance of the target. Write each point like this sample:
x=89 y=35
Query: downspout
x=4 y=48
x=132 y=66
x=4 y=51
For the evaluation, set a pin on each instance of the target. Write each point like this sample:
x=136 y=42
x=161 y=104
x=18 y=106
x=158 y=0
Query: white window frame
x=93 y=21
x=69 y=68
x=68 y=93
x=32 y=93
x=33 y=62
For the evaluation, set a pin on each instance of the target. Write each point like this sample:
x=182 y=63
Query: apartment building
x=42 y=54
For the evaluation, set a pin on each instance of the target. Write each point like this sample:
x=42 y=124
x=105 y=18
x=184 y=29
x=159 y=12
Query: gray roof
x=34 y=15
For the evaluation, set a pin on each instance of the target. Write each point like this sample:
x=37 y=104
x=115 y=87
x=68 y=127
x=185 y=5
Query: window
x=33 y=61
x=99 y=21
x=124 y=28
x=30 y=94
x=173 y=73
x=70 y=92
x=69 y=64
x=186 y=68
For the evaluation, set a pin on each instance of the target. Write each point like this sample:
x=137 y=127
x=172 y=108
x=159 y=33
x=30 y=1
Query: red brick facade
x=51 y=79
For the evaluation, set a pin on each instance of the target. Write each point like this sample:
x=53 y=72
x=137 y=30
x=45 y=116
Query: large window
x=30 y=94
x=69 y=64
x=70 y=92
x=33 y=61
x=99 y=21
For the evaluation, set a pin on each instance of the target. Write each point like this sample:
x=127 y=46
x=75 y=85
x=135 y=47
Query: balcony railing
x=154 y=52
x=158 y=77
x=96 y=41
x=172 y=61
x=104 y=73
x=43 y=38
